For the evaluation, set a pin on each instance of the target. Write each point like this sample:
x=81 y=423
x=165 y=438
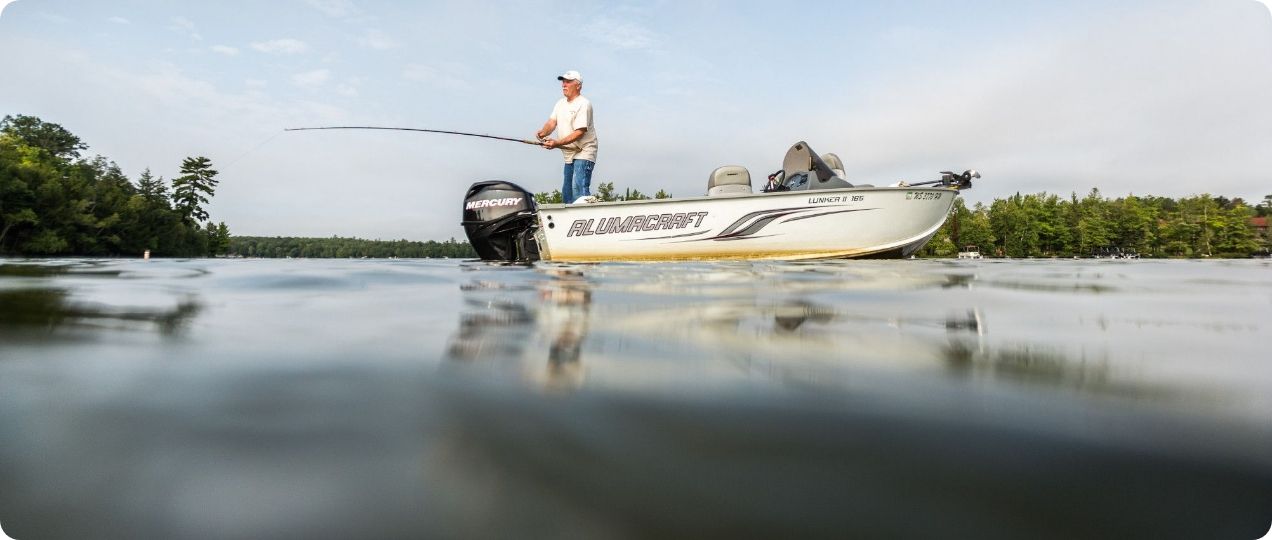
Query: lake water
x=246 y=399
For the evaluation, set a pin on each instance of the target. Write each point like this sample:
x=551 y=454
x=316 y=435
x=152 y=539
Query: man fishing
x=575 y=135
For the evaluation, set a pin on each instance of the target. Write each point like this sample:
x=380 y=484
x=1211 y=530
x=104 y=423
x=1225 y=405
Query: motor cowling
x=500 y=219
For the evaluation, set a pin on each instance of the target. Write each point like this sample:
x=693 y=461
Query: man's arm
x=546 y=129
x=573 y=136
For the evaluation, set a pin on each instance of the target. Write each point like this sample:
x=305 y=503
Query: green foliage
x=1265 y=207
x=963 y=228
x=218 y=238
x=336 y=247
x=1044 y=225
x=605 y=192
x=548 y=198
x=52 y=202
x=630 y=194
x=191 y=190
x=46 y=136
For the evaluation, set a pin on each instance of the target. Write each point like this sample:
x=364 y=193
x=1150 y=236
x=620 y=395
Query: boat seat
x=729 y=180
x=836 y=165
x=802 y=159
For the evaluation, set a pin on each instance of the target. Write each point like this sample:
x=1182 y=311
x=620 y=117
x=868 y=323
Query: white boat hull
x=832 y=223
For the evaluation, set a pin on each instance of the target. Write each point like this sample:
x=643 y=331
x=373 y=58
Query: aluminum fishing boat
x=806 y=210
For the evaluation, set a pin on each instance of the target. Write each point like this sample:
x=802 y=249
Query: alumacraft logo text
x=651 y=222
x=487 y=203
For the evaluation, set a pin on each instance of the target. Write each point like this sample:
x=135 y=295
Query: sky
x=1167 y=98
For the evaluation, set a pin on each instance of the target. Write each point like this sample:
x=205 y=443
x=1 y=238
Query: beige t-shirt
x=572 y=115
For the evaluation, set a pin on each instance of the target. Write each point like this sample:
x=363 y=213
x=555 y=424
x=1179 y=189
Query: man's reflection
x=505 y=326
x=566 y=303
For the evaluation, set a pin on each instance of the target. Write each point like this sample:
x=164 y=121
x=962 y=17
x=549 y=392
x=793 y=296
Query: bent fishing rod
x=523 y=141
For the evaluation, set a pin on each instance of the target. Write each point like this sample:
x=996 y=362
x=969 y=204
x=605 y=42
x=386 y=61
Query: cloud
x=440 y=78
x=1103 y=107
x=281 y=46
x=620 y=35
x=54 y=18
x=1266 y=4
x=334 y=8
x=182 y=23
x=119 y=20
x=317 y=77
x=225 y=49
x=4 y=4
x=377 y=40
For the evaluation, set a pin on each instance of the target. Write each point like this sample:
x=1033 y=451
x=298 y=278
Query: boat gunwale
x=802 y=192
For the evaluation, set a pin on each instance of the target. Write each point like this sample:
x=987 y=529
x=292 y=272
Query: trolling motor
x=500 y=219
x=953 y=180
x=959 y=181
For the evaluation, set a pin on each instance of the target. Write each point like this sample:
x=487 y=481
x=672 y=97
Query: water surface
x=441 y=398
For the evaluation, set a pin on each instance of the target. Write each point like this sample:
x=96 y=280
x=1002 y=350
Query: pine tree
x=151 y=188
x=192 y=189
x=47 y=136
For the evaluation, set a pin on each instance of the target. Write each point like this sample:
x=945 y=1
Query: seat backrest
x=729 y=179
x=802 y=158
x=836 y=165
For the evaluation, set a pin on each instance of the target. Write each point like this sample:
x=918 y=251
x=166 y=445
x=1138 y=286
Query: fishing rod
x=484 y=136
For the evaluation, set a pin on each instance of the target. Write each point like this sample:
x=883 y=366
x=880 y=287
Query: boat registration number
x=922 y=196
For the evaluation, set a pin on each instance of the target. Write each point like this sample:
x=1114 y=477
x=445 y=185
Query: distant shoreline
x=336 y=247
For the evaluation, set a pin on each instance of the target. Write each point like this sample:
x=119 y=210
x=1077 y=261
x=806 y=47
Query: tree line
x=341 y=248
x=55 y=202
x=1047 y=225
x=605 y=192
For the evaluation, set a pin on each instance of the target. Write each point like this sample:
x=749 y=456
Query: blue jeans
x=578 y=180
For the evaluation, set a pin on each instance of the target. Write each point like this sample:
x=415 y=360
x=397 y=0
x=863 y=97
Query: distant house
x=1260 y=225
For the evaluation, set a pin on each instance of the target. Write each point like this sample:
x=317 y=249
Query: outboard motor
x=500 y=219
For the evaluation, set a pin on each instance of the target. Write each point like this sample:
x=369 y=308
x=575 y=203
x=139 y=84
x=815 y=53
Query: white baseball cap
x=570 y=76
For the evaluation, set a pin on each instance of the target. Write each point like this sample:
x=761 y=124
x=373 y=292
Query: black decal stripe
x=725 y=238
x=666 y=237
x=797 y=218
x=752 y=229
x=731 y=238
x=733 y=226
x=759 y=224
x=732 y=233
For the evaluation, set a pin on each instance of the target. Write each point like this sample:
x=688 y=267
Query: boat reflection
x=546 y=328
x=504 y=326
x=567 y=303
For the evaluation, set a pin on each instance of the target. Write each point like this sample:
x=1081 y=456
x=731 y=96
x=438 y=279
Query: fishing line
x=250 y=150
x=482 y=135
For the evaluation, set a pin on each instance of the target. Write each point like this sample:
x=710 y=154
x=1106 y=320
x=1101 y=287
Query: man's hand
x=550 y=144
